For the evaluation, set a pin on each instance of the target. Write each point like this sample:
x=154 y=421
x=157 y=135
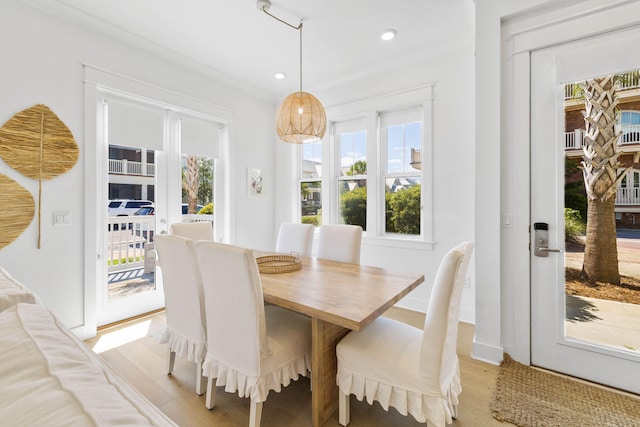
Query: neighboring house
x=628 y=194
x=131 y=173
x=310 y=191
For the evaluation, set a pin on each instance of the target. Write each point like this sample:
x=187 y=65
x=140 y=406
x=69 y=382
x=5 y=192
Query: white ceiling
x=341 y=38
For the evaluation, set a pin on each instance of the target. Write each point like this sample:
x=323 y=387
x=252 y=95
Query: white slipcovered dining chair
x=193 y=230
x=251 y=349
x=340 y=242
x=185 y=333
x=415 y=371
x=295 y=238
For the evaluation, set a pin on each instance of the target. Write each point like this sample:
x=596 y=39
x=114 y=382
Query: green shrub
x=354 y=207
x=574 y=227
x=311 y=219
x=390 y=226
x=128 y=260
x=206 y=210
x=575 y=196
x=403 y=210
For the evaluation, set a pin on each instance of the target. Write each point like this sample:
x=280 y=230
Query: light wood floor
x=142 y=362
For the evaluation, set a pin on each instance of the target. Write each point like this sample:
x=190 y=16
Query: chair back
x=295 y=237
x=439 y=361
x=234 y=306
x=182 y=293
x=193 y=230
x=340 y=242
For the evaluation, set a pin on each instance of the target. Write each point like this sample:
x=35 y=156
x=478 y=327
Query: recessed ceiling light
x=279 y=76
x=388 y=34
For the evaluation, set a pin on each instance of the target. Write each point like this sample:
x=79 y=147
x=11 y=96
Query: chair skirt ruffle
x=184 y=347
x=432 y=408
x=255 y=388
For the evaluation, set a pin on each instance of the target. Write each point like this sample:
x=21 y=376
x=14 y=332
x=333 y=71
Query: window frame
x=337 y=130
x=624 y=127
x=402 y=117
x=302 y=179
x=369 y=110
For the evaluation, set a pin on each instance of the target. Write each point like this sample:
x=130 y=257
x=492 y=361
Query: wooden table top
x=349 y=295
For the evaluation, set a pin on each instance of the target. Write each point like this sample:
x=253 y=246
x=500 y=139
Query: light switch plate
x=62 y=218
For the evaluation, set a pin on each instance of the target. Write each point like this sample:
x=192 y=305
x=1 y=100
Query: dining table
x=338 y=297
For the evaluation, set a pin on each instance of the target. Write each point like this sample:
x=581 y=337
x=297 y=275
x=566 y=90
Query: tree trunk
x=601 y=251
x=602 y=174
x=191 y=183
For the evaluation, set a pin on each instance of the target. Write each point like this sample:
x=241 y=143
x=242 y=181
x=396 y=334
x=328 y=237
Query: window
x=630 y=124
x=351 y=140
x=402 y=137
x=200 y=149
x=375 y=170
x=311 y=184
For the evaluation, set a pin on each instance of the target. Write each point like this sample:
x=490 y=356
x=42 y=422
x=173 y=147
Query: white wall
x=452 y=77
x=42 y=62
x=488 y=176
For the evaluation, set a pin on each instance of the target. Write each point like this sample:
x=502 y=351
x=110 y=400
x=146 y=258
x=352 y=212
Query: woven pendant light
x=301 y=118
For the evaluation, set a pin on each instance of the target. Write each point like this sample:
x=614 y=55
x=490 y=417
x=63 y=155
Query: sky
x=353 y=147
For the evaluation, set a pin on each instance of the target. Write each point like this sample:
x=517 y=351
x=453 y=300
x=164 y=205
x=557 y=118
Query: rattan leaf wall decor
x=36 y=143
x=17 y=210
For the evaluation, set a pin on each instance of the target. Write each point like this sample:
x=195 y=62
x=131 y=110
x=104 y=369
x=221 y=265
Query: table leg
x=324 y=366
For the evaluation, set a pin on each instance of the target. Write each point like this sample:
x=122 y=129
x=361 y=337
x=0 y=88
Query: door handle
x=541 y=240
x=550 y=250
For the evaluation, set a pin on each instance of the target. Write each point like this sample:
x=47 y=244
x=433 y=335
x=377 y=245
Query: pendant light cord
x=264 y=9
x=299 y=28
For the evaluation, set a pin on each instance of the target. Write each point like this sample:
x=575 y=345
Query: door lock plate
x=541 y=240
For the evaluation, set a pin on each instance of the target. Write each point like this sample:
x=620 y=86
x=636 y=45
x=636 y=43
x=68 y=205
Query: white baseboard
x=83 y=332
x=487 y=353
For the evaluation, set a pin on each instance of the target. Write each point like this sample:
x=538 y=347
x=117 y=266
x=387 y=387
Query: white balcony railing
x=629 y=80
x=127 y=167
x=128 y=235
x=116 y=166
x=126 y=239
x=630 y=134
x=628 y=196
x=575 y=140
x=570 y=91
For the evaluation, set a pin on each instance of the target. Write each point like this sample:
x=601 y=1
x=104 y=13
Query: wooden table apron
x=338 y=297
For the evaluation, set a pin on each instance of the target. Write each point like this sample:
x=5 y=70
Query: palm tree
x=190 y=182
x=602 y=174
x=358 y=168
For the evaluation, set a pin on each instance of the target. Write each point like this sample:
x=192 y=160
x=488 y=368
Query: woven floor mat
x=529 y=397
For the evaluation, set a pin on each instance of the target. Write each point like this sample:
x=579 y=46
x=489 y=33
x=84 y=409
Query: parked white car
x=126 y=207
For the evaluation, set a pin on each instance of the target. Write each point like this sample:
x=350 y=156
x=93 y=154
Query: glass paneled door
x=199 y=152
x=134 y=141
x=585 y=311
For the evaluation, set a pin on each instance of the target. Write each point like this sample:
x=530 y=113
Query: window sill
x=398 y=242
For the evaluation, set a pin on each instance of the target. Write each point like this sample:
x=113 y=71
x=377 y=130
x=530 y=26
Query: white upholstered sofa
x=48 y=377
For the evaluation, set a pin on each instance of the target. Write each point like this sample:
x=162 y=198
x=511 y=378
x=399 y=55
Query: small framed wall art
x=255 y=184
